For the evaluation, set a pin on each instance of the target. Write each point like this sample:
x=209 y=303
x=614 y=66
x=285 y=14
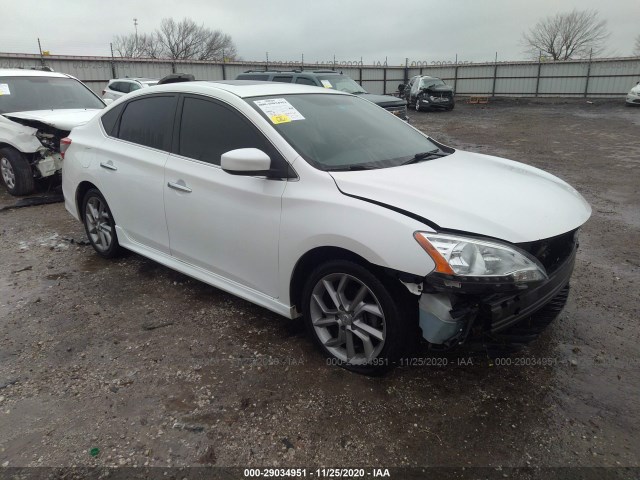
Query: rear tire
x=357 y=321
x=99 y=225
x=16 y=172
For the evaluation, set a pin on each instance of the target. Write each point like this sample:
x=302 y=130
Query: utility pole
x=135 y=25
x=40 y=48
x=113 y=63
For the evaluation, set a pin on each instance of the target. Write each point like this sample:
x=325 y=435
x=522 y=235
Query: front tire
x=354 y=318
x=16 y=172
x=99 y=225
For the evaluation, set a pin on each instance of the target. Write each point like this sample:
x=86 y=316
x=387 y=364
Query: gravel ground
x=153 y=368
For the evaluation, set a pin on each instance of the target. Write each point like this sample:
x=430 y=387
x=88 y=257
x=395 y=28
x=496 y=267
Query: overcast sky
x=423 y=30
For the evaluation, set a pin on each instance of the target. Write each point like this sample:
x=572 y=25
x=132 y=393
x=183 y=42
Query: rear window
x=148 y=121
x=24 y=94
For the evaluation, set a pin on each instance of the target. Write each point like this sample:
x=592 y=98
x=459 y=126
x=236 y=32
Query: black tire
x=398 y=309
x=450 y=108
x=16 y=172
x=103 y=226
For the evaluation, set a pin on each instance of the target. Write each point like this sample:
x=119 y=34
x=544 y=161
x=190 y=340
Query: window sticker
x=326 y=83
x=4 y=89
x=279 y=110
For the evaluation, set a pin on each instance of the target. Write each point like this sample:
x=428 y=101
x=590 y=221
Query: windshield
x=342 y=132
x=341 y=83
x=24 y=94
x=428 y=82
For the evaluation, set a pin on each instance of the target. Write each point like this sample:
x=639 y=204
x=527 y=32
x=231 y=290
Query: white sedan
x=316 y=203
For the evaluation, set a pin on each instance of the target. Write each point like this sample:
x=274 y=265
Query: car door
x=225 y=224
x=130 y=168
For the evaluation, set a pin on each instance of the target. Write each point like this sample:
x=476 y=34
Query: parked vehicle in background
x=37 y=110
x=428 y=93
x=328 y=79
x=633 y=97
x=119 y=87
x=316 y=203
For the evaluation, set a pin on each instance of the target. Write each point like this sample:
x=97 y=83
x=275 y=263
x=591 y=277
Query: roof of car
x=19 y=72
x=137 y=79
x=244 y=88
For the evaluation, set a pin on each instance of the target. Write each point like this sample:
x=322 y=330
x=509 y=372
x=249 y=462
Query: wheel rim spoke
x=336 y=342
x=332 y=293
x=325 y=322
x=351 y=351
x=323 y=307
x=359 y=297
x=368 y=329
x=366 y=343
x=368 y=308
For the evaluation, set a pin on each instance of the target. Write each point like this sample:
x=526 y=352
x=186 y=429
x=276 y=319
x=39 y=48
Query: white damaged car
x=633 y=97
x=318 y=204
x=37 y=109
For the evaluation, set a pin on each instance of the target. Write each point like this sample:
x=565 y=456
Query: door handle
x=108 y=166
x=179 y=186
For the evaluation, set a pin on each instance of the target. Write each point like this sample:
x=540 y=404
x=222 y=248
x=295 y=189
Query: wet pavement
x=154 y=368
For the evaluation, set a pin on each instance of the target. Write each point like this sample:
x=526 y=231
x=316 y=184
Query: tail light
x=64 y=145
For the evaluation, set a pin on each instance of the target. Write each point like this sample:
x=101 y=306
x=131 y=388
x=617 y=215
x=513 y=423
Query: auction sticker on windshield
x=279 y=110
x=326 y=83
x=4 y=89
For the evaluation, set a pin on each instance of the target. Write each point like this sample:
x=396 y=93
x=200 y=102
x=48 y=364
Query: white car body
x=115 y=88
x=247 y=234
x=19 y=130
x=633 y=97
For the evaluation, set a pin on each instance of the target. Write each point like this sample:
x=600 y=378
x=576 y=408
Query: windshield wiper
x=436 y=153
x=351 y=168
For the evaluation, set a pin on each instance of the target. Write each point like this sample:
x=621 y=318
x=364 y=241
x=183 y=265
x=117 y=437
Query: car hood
x=474 y=193
x=60 y=119
x=383 y=100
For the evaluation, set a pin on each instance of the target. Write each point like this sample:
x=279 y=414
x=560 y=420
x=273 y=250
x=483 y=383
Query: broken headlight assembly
x=463 y=261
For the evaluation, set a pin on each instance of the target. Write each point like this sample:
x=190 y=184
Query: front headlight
x=469 y=257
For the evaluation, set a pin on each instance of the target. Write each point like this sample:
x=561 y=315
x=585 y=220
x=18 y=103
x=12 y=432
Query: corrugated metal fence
x=584 y=78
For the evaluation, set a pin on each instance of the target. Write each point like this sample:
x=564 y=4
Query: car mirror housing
x=245 y=161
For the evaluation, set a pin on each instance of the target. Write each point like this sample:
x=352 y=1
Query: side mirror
x=245 y=161
x=401 y=87
x=108 y=101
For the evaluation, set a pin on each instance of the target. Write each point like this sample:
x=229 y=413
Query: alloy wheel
x=98 y=224
x=8 y=175
x=348 y=318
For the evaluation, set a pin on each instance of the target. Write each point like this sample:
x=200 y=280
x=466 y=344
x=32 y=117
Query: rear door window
x=283 y=78
x=148 y=121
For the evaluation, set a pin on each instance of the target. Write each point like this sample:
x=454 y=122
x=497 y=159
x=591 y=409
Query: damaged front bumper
x=452 y=313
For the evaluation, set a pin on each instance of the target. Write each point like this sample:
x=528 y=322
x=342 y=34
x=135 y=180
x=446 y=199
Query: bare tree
x=136 y=46
x=636 y=48
x=568 y=35
x=184 y=40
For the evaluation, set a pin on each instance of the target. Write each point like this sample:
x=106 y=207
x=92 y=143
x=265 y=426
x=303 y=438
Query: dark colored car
x=428 y=93
x=328 y=79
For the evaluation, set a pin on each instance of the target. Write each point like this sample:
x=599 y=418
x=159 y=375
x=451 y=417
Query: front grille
x=441 y=94
x=552 y=252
